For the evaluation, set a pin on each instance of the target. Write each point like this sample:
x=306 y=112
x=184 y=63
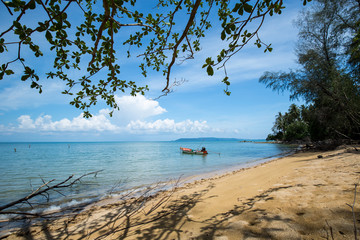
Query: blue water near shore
x=131 y=163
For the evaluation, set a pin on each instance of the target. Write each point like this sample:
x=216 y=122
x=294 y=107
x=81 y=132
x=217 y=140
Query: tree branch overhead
x=84 y=52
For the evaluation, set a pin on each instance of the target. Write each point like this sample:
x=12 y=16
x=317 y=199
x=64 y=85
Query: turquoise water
x=130 y=163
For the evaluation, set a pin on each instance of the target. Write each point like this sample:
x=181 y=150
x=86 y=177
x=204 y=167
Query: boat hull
x=191 y=151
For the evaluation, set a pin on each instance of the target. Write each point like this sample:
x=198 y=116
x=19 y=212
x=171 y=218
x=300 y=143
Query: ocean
x=123 y=165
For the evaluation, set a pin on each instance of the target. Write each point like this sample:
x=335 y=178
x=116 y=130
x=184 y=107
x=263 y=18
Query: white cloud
x=78 y=124
x=168 y=125
x=131 y=109
x=100 y=123
x=136 y=108
x=25 y=122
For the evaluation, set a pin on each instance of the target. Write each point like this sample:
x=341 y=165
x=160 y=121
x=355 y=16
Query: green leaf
x=210 y=70
x=48 y=36
x=9 y=72
x=236 y=8
x=223 y=35
x=225 y=80
x=208 y=60
x=34 y=85
x=248 y=8
x=32 y=4
x=227 y=92
x=17 y=24
x=241 y=11
x=228 y=29
x=25 y=77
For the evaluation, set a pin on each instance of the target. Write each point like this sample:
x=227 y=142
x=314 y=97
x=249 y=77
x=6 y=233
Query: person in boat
x=203 y=149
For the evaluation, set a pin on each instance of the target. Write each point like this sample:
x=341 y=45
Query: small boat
x=192 y=151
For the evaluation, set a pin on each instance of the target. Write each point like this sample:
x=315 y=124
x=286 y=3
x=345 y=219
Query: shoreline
x=93 y=197
x=162 y=164
x=238 y=167
x=199 y=208
x=179 y=182
x=87 y=203
x=63 y=208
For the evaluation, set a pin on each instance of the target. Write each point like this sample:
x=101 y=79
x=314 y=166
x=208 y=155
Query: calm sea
x=124 y=165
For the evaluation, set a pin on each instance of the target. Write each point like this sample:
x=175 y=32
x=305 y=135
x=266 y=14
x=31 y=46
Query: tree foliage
x=86 y=38
x=328 y=79
x=354 y=51
x=290 y=126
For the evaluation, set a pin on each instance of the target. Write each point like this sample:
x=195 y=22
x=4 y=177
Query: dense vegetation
x=328 y=52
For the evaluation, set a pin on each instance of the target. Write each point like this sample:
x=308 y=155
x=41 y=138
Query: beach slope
x=303 y=196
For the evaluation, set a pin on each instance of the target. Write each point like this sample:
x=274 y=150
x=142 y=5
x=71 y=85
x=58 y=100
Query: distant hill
x=207 y=139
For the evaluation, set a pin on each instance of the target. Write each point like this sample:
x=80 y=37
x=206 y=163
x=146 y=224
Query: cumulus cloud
x=168 y=125
x=131 y=109
x=136 y=108
x=25 y=122
x=132 y=118
x=77 y=124
x=100 y=123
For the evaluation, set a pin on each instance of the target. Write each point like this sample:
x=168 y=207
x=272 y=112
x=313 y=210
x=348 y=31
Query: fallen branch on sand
x=43 y=190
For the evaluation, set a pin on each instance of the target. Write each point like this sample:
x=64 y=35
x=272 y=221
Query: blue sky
x=197 y=108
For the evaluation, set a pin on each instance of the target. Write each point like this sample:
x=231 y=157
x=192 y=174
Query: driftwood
x=43 y=191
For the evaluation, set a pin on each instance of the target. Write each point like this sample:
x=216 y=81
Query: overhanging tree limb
x=175 y=49
x=92 y=46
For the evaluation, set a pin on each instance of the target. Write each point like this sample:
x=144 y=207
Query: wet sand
x=300 y=196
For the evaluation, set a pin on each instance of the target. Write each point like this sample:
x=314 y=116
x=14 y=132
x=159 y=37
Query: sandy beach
x=303 y=196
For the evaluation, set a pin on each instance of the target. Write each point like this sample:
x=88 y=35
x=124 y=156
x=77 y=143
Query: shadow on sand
x=141 y=218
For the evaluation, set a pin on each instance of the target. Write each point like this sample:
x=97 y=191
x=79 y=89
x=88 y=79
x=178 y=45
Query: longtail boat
x=192 y=151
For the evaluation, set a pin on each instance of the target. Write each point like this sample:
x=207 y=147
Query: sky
x=196 y=108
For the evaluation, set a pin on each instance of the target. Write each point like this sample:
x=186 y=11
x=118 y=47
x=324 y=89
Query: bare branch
x=9 y=10
x=331 y=230
x=353 y=212
x=131 y=24
x=41 y=191
x=171 y=88
x=243 y=24
x=171 y=17
x=47 y=12
x=101 y=29
x=26 y=214
x=17 y=20
x=25 y=199
x=163 y=199
x=174 y=55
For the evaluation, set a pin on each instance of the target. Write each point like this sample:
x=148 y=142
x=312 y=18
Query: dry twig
x=353 y=212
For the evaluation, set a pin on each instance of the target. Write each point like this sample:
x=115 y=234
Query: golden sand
x=295 y=197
